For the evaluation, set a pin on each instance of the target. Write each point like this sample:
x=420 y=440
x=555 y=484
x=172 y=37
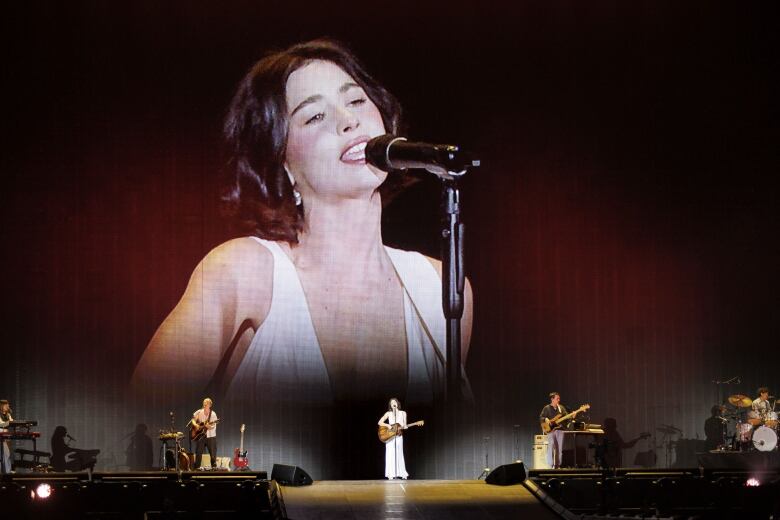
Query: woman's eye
x=315 y=118
x=358 y=101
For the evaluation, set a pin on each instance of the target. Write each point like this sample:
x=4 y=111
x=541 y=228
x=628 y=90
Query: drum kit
x=753 y=430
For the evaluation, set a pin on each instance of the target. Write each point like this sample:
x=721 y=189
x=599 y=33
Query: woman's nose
x=347 y=121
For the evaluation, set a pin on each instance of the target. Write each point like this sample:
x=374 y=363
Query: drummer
x=761 y=404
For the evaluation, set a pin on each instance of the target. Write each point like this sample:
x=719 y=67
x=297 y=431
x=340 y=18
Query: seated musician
x=5 y=420
x=554 y=437
x=66 y=458
x=761 y=403
x=714 y=428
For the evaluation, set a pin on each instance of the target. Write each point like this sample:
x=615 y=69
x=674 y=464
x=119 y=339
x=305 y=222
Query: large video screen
x=189 y=214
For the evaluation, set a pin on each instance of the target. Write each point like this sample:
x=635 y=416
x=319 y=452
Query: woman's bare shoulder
x=243 y=266
x=435 y=263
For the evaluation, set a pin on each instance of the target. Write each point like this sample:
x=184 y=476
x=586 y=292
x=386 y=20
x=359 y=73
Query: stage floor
x=412 y=499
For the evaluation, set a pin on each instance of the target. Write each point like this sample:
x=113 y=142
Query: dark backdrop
x=622 y=232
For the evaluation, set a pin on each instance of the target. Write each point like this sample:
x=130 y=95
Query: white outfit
x=284 y=360
x=762 y=407
x=6 y=444
x=395 y=465
x=202 y=417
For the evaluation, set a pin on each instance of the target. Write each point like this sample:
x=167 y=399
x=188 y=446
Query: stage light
x=43 y=491
x=752 y=482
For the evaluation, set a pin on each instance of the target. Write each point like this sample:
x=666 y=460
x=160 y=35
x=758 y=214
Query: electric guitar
x=198 y=430
x=239 y=454
x=385 y=433
x=556 y=422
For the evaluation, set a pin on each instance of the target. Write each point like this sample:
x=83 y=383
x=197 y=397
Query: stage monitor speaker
x=290 y=475
x=507 y=474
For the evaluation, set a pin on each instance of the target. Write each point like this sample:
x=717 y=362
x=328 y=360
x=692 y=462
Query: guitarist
x=395 y=465
x=206 y=416
x=554 y=437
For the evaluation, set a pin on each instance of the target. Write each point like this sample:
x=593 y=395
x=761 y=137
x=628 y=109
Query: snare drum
x=764 y=439
x=744 y=432
x=770 y=420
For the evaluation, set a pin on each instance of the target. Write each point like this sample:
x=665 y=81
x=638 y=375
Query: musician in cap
x=714 y=427
x=206 y=419
x=5 y=420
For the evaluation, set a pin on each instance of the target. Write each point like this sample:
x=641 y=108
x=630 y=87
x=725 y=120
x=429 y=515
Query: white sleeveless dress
x=284 y=360
x=395 y=464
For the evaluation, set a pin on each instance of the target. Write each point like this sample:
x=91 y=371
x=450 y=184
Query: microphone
x=389 y=152
x=69 y=437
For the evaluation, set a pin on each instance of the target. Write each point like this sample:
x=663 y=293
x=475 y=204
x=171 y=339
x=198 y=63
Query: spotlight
x=752 y=482
x=43 y=491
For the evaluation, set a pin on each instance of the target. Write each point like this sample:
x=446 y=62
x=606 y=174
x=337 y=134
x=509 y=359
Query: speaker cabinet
x=290 y=475
x=507 y=474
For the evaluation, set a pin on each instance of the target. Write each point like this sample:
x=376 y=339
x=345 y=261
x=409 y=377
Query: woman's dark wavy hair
x=259 y=194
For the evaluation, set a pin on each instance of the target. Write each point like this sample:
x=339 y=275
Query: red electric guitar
x=239 y=458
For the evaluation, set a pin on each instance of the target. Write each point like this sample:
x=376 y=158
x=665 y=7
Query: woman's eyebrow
x=348 y=85
x=308 y=101
x=317 y=97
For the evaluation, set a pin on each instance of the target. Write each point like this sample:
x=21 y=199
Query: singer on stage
x=309 y=304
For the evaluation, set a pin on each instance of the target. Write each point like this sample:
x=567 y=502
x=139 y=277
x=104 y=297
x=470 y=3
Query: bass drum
x=186 y=461
x=764 y=439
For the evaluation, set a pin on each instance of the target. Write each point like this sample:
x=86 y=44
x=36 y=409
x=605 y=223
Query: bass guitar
x=198 y=429
x=557 y=421
x=385 y=433
x=239 y=454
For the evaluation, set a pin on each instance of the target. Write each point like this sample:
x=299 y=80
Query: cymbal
x=740 y=400
x=668 y=430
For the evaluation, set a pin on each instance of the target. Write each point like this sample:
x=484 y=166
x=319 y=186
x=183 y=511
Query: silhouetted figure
x=65 y=458
x=610 y=453
x=714 y=428
x=140 y=453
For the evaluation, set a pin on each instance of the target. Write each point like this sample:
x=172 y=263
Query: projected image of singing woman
x=309 y=305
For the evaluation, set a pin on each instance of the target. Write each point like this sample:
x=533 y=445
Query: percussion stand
x=486 y=469
x=666 y=442
x=516 y=439
x=163 y=451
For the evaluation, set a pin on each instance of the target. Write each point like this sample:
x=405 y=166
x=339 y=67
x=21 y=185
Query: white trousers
x=7 y=456
x=555 y=448
x=394 y=458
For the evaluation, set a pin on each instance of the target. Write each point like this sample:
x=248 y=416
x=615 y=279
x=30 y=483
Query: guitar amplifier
x=540 y=439
x=540 y=456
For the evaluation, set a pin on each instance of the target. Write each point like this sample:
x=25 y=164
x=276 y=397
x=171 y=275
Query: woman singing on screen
x=311 y=305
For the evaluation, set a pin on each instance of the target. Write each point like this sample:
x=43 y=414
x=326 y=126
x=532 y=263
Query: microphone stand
x=453 y=282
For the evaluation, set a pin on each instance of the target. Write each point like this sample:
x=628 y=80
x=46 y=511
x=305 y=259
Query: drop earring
x=298 y=198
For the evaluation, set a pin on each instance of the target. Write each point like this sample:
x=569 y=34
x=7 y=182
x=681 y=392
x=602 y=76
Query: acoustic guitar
x=386 y=434
x=557 y=421
x=198 y=429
